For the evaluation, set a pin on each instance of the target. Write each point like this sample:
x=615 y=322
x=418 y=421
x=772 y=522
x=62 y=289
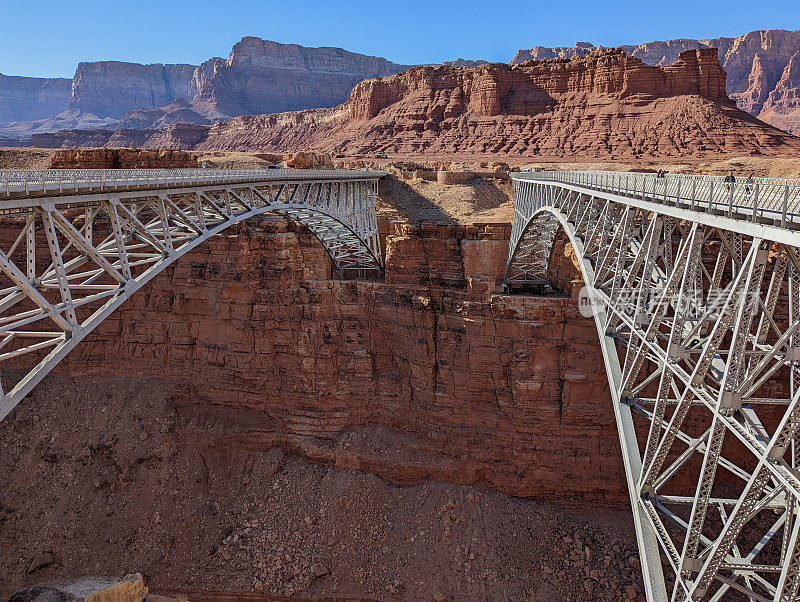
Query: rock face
x=71 y=119
x=762 y=68
x=181 y=136
x=112 y=88
x=131 y=588
x=259 y=76
x=122 y=158
x=428 y=374
x=605 y=104
x=29 y=98
x=178 y=111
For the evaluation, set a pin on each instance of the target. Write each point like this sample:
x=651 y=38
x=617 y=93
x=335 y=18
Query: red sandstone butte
x=762 y=66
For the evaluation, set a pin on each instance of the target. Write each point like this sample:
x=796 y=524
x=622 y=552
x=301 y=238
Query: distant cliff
x=259 y=76
x=28 y=98
x=266 y=77
x=262 y=77
x=763 y=68
x=112 y=88
x=606 y=104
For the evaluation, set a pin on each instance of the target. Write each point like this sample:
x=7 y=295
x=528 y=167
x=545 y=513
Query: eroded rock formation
x=121 y=158
x=181 y=136
x=762 y=68
x=113 y=88
x=426 y=375
x=26 y=98
x=606 y=104
x=259 y=76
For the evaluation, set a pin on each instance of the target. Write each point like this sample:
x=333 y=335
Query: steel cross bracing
x=76 y=244
x=694 y=285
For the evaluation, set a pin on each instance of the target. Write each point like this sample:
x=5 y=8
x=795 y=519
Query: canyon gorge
x=249 y=390
x=255 y=425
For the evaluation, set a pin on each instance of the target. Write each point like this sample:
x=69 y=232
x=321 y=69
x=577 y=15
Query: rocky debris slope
x=763 y=68
x=606 y=104
x=108 y=473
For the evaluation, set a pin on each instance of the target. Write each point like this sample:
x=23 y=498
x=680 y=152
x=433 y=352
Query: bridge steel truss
x=75 y=245
x=694 y=284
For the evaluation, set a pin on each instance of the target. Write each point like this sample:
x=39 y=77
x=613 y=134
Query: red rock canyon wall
x=428 y=374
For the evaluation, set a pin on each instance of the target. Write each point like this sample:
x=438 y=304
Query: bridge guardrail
x=758 y=199
x=16 y=182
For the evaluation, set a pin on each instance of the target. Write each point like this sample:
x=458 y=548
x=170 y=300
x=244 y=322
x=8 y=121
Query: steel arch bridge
x=76 y=244
x=694 y=285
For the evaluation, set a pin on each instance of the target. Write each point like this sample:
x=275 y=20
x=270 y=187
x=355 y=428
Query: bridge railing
x=758 y=199
x=50 y=181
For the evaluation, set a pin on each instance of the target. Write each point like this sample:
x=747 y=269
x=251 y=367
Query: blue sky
x=47 y=38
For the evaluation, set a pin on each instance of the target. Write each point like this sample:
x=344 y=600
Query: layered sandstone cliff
x=606 y=104
x=98 y=95
x=180 y=136
x=259 y=76
x=763 y=76
x=27 y=98
x=122 y=158
x=428 y=374
x=113 y=88
x=262 y=77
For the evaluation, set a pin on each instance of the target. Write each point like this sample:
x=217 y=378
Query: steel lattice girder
x=699 y=321
x=75 y=259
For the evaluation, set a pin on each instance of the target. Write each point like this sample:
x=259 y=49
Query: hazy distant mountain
x=259 y=76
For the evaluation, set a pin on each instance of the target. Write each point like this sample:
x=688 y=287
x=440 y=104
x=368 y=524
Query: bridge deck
x=738 y=206
x=18 y=184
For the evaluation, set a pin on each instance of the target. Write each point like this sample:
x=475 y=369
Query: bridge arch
x=697 y=315
x=77 y=245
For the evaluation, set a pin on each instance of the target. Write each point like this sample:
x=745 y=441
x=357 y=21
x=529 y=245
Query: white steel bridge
x=75 y=244
x=694 y=285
